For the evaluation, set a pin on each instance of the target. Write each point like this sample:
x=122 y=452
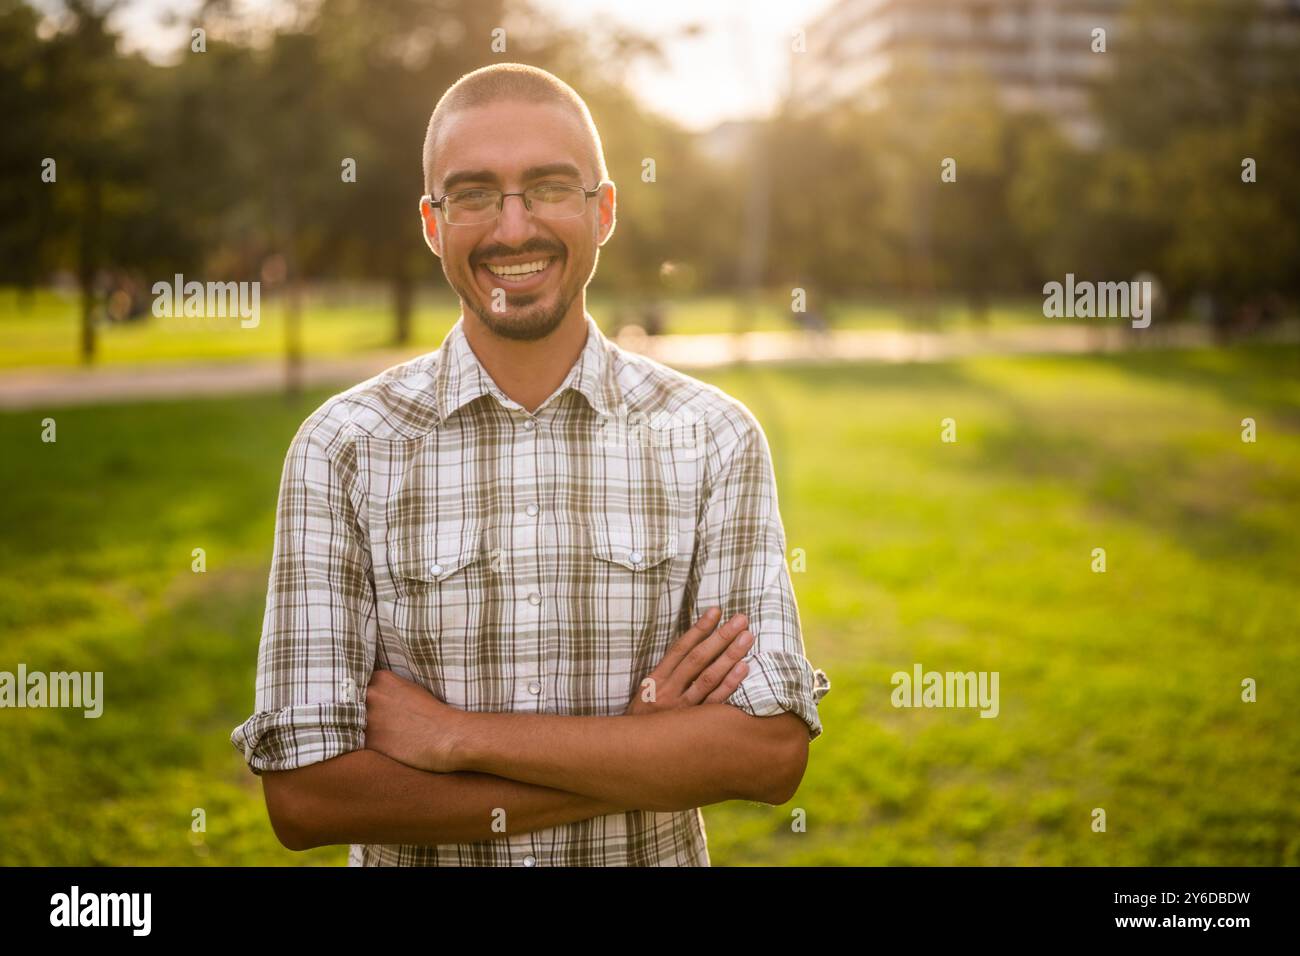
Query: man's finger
x=706 y=651
x=723 y=691
x=692 y=636
x=713 y=676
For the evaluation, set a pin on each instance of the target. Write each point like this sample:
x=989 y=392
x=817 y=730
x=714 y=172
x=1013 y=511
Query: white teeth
x=524 y=269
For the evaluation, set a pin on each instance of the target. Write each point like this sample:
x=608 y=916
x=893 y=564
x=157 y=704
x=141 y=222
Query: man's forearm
x=366 y=797
x=676 y=760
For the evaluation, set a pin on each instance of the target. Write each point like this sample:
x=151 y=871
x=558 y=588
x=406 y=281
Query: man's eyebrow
x=553 y=169
x=487 y=176
x=467 y=176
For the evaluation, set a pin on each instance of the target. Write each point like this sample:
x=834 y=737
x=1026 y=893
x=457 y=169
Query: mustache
x=542 y=248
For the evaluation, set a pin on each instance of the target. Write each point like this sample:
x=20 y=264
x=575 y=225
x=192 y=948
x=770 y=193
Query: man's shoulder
x=397 y=404
x=662 y=393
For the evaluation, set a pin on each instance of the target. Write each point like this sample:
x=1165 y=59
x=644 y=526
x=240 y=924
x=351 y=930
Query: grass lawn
x=1119 y=690
x=44 y=330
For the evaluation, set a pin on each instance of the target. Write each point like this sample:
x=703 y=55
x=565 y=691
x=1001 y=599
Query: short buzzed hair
x=509 y=81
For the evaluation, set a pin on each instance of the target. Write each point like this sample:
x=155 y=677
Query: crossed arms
x=433 y=774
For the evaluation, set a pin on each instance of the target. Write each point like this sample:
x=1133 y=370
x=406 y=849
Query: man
x=528 y=602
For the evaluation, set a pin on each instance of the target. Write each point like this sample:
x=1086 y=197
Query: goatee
x=526 y=325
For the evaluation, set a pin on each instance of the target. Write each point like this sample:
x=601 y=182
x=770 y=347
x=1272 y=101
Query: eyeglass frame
x=501 y=203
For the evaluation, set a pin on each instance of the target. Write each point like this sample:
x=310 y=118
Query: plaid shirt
x=532 y=563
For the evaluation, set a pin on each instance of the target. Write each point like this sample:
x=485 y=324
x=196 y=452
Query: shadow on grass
x=1258 y=377
x=761 y=388
x=1194 y=483
x=1219 y=505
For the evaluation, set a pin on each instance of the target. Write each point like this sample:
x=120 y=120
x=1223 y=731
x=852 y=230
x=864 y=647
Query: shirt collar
x=461 y=378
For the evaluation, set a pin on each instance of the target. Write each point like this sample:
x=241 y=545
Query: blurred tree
x=946 y=164
x=1239 y=240
x=86 y=97
x=26 y=202
x=979 y=250
x=205 y=156
x=1213 y=85
x=1185 y=64
x=827 y=201
x=384 y=67
x=298 y=142
x=670 y=218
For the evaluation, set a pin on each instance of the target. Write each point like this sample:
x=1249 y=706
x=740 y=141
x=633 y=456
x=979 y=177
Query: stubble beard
x=522 y=322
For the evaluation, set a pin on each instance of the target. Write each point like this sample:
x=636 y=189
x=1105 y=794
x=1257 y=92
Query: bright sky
x=735 y=68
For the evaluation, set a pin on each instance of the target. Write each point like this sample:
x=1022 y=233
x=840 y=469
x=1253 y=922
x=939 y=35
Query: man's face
x=510 y=146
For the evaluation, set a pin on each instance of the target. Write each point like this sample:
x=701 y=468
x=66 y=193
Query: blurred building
x=1038 y=53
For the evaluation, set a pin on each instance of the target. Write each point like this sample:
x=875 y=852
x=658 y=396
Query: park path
x=61 y=387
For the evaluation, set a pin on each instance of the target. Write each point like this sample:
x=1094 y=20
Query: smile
x=527 y=268
x=518 y=275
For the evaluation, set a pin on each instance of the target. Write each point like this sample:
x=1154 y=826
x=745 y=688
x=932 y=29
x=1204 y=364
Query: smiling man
x=528 y=602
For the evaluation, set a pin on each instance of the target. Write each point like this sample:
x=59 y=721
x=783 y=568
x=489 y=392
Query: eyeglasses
x=545 y=200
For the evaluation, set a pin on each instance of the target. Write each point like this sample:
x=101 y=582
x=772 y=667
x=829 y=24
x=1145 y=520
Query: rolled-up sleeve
x=319 y=630
x=741 y=562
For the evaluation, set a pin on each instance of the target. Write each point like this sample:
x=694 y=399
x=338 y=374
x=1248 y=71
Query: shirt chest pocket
x=436 y=584
x=632 y=567
x=639 y=548
x=419 y=560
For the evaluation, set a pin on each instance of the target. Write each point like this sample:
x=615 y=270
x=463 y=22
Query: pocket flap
x=435 y=556
x=634 y=547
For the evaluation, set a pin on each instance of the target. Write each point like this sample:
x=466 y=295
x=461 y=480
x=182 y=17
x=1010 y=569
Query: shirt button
x=532 y=511
x=635 y=557
x=529 y=424
x=534 y=688
x=530 y=860
x=435 y=569
x=534 y=599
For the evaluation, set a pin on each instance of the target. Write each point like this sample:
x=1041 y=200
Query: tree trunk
x=977 y=298
x=403 y=300
x=87 y=266
x=293 y=334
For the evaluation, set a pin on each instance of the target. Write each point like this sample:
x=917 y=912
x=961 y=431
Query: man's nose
x=515 y=222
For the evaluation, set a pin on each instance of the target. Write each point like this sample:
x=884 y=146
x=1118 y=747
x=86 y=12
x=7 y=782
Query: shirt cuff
x=779 y=681
x=296 y=736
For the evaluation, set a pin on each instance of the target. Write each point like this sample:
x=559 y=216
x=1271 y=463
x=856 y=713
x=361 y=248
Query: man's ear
x=606 y=219
x=429 y=227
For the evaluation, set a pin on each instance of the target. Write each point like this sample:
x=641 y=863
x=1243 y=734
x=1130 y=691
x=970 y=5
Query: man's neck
x=528 y=372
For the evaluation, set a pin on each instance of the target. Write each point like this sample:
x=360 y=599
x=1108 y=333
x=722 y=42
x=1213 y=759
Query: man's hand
x=406 y=722
x=704 y=666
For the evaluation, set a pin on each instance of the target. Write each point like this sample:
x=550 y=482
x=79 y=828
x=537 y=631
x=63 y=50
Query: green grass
x=1118 y=690
x=43 y=330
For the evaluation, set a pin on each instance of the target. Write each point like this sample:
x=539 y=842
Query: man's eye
x=551 y=192
x=473 y=197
